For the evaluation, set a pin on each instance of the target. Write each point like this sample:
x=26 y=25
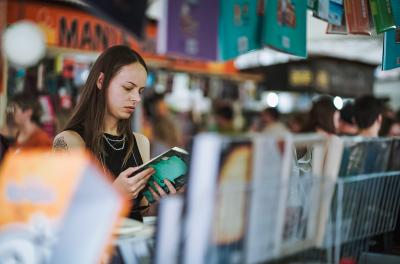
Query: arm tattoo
x=59 y=144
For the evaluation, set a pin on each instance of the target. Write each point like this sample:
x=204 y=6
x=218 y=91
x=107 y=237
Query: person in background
x=368 y=115
x=324 y=117
x=297 y=123
x=347 y=125
x=164 y=130
x=270 y=120
x=102 y=123
x=390 y=128
x=224 y=116
x=27 y=112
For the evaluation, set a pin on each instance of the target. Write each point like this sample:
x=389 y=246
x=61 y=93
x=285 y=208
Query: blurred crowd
x=364 y=116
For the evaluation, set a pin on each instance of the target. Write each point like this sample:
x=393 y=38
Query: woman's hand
x=132 y=185
x=152 y=209
x=160 y=191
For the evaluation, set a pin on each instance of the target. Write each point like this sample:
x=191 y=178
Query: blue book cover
x=336 y=13
x=391 y=41
x=240 y=22
x=285 y=26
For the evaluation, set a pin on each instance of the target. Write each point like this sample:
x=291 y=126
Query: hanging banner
x=67 y=27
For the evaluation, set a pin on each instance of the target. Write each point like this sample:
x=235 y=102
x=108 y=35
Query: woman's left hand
x=157 y=195
x=160 y=191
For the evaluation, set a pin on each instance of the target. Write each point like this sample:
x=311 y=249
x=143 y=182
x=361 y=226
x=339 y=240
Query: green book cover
x=382 y=14
x=391 y=42
x=240 y=22
x=285 y=26
x=171 y=165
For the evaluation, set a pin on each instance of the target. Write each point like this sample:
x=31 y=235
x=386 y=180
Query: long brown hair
x=322 y=115
x=91 y=108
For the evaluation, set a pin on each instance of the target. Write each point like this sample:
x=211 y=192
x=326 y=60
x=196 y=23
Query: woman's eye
x=128 y=88
x=141 y=90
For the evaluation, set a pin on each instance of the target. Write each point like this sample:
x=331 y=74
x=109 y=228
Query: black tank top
x=115 y=151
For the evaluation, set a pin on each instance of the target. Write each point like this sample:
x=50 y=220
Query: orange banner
x=68 y=27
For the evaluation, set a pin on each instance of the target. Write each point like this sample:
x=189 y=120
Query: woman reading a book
x=101 y=122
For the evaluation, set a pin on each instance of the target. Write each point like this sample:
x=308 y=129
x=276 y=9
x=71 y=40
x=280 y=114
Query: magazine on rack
x=382 y=14
x=357 y=17
x=171 y=165
x=240 y=22
x=217 y=200
x=267 y=199
x=285 y=26
x=391 y=42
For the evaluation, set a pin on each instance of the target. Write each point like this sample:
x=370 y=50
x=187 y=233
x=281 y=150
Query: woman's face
x=123 y=94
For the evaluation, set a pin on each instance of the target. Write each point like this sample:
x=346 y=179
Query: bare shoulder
x=67 y=140
x=141 y=138
x=143 y=145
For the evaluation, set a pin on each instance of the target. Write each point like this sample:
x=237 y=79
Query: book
x=189 y=29
x=304 y=194
x=171 y=165
x=285 y=26
x=323 y=9
x=357 y=15
x=168 y=232
x=336 y=13
x=334 y=152
x=200 y=196
x=239 y=27
x=62 y=210
x=230 y=206
x=271 y=166
x=391 y=42
x=382 y=14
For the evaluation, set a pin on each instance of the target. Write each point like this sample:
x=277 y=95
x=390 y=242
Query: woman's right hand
x=132 y=185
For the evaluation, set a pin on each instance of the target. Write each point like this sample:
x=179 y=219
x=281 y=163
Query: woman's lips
x=130 y=109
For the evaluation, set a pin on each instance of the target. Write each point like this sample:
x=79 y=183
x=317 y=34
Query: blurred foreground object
x=55 y=207
x=24 y=43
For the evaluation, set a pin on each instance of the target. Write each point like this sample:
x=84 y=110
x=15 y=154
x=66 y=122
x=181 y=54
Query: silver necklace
x=109 y=142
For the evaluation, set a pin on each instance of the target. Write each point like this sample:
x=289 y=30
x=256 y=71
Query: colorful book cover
x=230 y=211
x=357 y=16
x=239 y=27
x=382 y=14
x=189 y=28
x=391 y=42
x=285 y=26
x=336 y=13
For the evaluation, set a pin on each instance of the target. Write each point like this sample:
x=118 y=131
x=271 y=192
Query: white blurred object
x=272 y=99
x=24 y=43
x=338 y=102
x=180 y=98
x=154 y=10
